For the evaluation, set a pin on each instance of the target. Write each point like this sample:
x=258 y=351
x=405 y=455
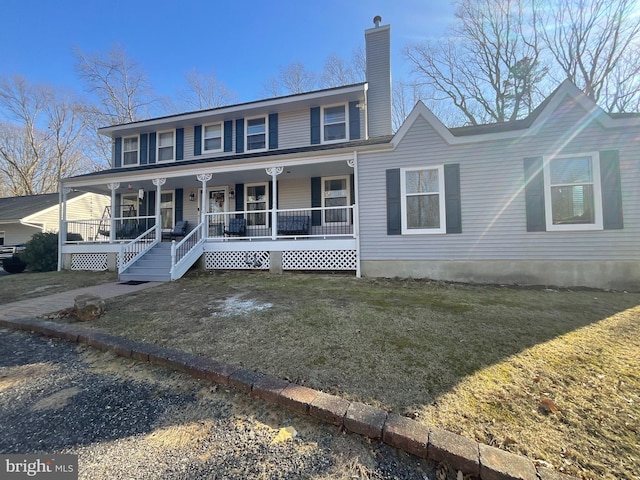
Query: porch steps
x=154 y=266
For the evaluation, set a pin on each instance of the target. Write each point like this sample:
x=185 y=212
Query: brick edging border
x=432 y=443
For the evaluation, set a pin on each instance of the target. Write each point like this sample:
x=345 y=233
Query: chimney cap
x=376 y=20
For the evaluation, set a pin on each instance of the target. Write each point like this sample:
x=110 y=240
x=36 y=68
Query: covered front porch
x=299 y=214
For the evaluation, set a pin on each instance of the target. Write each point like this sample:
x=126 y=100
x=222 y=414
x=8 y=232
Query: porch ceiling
x=130 y=184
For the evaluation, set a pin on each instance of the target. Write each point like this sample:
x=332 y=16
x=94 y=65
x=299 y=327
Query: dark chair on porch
x=179 y=230
x=237 y=227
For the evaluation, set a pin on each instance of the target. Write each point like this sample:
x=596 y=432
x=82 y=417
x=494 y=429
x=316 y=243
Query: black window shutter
x=534 y=194
x=228 y=136
x=239 y=135
x=179 y=143
x=354 y=121
x=239 y=199
x=611 y=190
x=453 y=206
x=316 y=200
x=179 y=194
x=117 y=152
x=315 y=125
x=116 y=208
x=394 y=209
x=144 y=148
x=273 y=131
x=152 y=147
x=197 y=140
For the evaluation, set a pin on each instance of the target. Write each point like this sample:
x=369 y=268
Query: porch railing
x=132 y=251
x=99 y=229
x=184 y=251
x=288 y=223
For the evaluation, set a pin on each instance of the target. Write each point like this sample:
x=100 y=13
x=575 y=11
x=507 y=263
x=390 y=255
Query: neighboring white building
x=318 y=181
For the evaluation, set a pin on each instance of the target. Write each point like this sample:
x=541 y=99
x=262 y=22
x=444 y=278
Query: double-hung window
x=423 y=203
x=572 y=192
x=130 y=151
x=256 y=137
x=335 y=194
x=334 y=123
x=212 y=138
x=166 y=146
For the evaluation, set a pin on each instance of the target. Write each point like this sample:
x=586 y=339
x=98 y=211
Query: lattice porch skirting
x=96 y=262
x=237 y=260
x=319 y=260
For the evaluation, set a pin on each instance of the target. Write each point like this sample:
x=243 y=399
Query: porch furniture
x=179 y=230
x=293 y=224
x=237 y=227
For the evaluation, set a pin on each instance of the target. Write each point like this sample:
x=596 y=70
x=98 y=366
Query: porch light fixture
x=192 y=197
x=231 y=194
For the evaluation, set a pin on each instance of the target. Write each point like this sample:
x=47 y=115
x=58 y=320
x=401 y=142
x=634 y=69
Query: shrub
x=41 y=252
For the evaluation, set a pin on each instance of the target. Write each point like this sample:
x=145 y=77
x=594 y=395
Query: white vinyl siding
x=492 y=196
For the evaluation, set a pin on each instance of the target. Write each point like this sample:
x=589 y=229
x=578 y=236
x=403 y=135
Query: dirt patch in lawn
x=547 y=373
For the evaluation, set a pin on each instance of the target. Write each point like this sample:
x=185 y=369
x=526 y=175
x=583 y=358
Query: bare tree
x=621 y=92
x=204 y=91
x=120 y=92
x=39 y=141
x=294 y=78
x=337 y=71
x=490 y=64
x=588 y=40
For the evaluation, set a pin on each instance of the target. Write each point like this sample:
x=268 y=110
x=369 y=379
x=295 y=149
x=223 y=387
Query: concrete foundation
x=614 y=275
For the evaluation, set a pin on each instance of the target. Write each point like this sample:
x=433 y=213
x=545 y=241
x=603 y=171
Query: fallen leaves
x=546 y=405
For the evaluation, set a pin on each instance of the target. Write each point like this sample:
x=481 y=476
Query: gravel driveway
x=131 y=420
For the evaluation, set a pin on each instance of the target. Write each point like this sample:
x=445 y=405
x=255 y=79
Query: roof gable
x=519 y=128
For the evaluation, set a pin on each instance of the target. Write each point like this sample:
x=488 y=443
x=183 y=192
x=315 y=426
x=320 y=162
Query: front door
x=216 y=207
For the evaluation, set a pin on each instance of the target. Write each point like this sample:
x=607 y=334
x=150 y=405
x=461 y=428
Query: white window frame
x=597 y=194
x=204 y=137
x=137 y=137
x=346 y=123
x=173 y=146
x=348 y=188
x=266 y=134
x=266 y=203
x=441 y=201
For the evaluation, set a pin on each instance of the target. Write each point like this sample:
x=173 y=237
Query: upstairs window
x=212 y=138
x=572 y=193
x=334 y=123
x=166 y=146
x=129 y=151
x=256 y=138
x=423 y=204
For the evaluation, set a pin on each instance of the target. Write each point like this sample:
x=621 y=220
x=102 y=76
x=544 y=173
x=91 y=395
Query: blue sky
x=243 y=42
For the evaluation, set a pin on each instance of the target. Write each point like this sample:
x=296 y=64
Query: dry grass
x=550 y=374
x=33 y=284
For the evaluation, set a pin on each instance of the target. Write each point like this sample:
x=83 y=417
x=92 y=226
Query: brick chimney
x=378 y=71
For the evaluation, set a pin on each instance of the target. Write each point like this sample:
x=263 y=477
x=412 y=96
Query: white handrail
x=133 y=246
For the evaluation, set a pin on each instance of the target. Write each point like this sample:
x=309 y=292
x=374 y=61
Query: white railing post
x=158 y=182
x=112 y=230
x=274 y=172
x=204 y=178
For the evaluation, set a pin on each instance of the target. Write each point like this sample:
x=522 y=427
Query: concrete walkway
x=35 y=307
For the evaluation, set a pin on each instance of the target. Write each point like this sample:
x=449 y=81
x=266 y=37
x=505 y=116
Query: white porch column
x=62 y=222
x=204 y=178
x=353 y=163
x=274 y=172
x=158 y=182
x=112 y=229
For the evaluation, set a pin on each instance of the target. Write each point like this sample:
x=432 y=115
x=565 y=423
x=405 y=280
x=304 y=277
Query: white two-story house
x=318 y=181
